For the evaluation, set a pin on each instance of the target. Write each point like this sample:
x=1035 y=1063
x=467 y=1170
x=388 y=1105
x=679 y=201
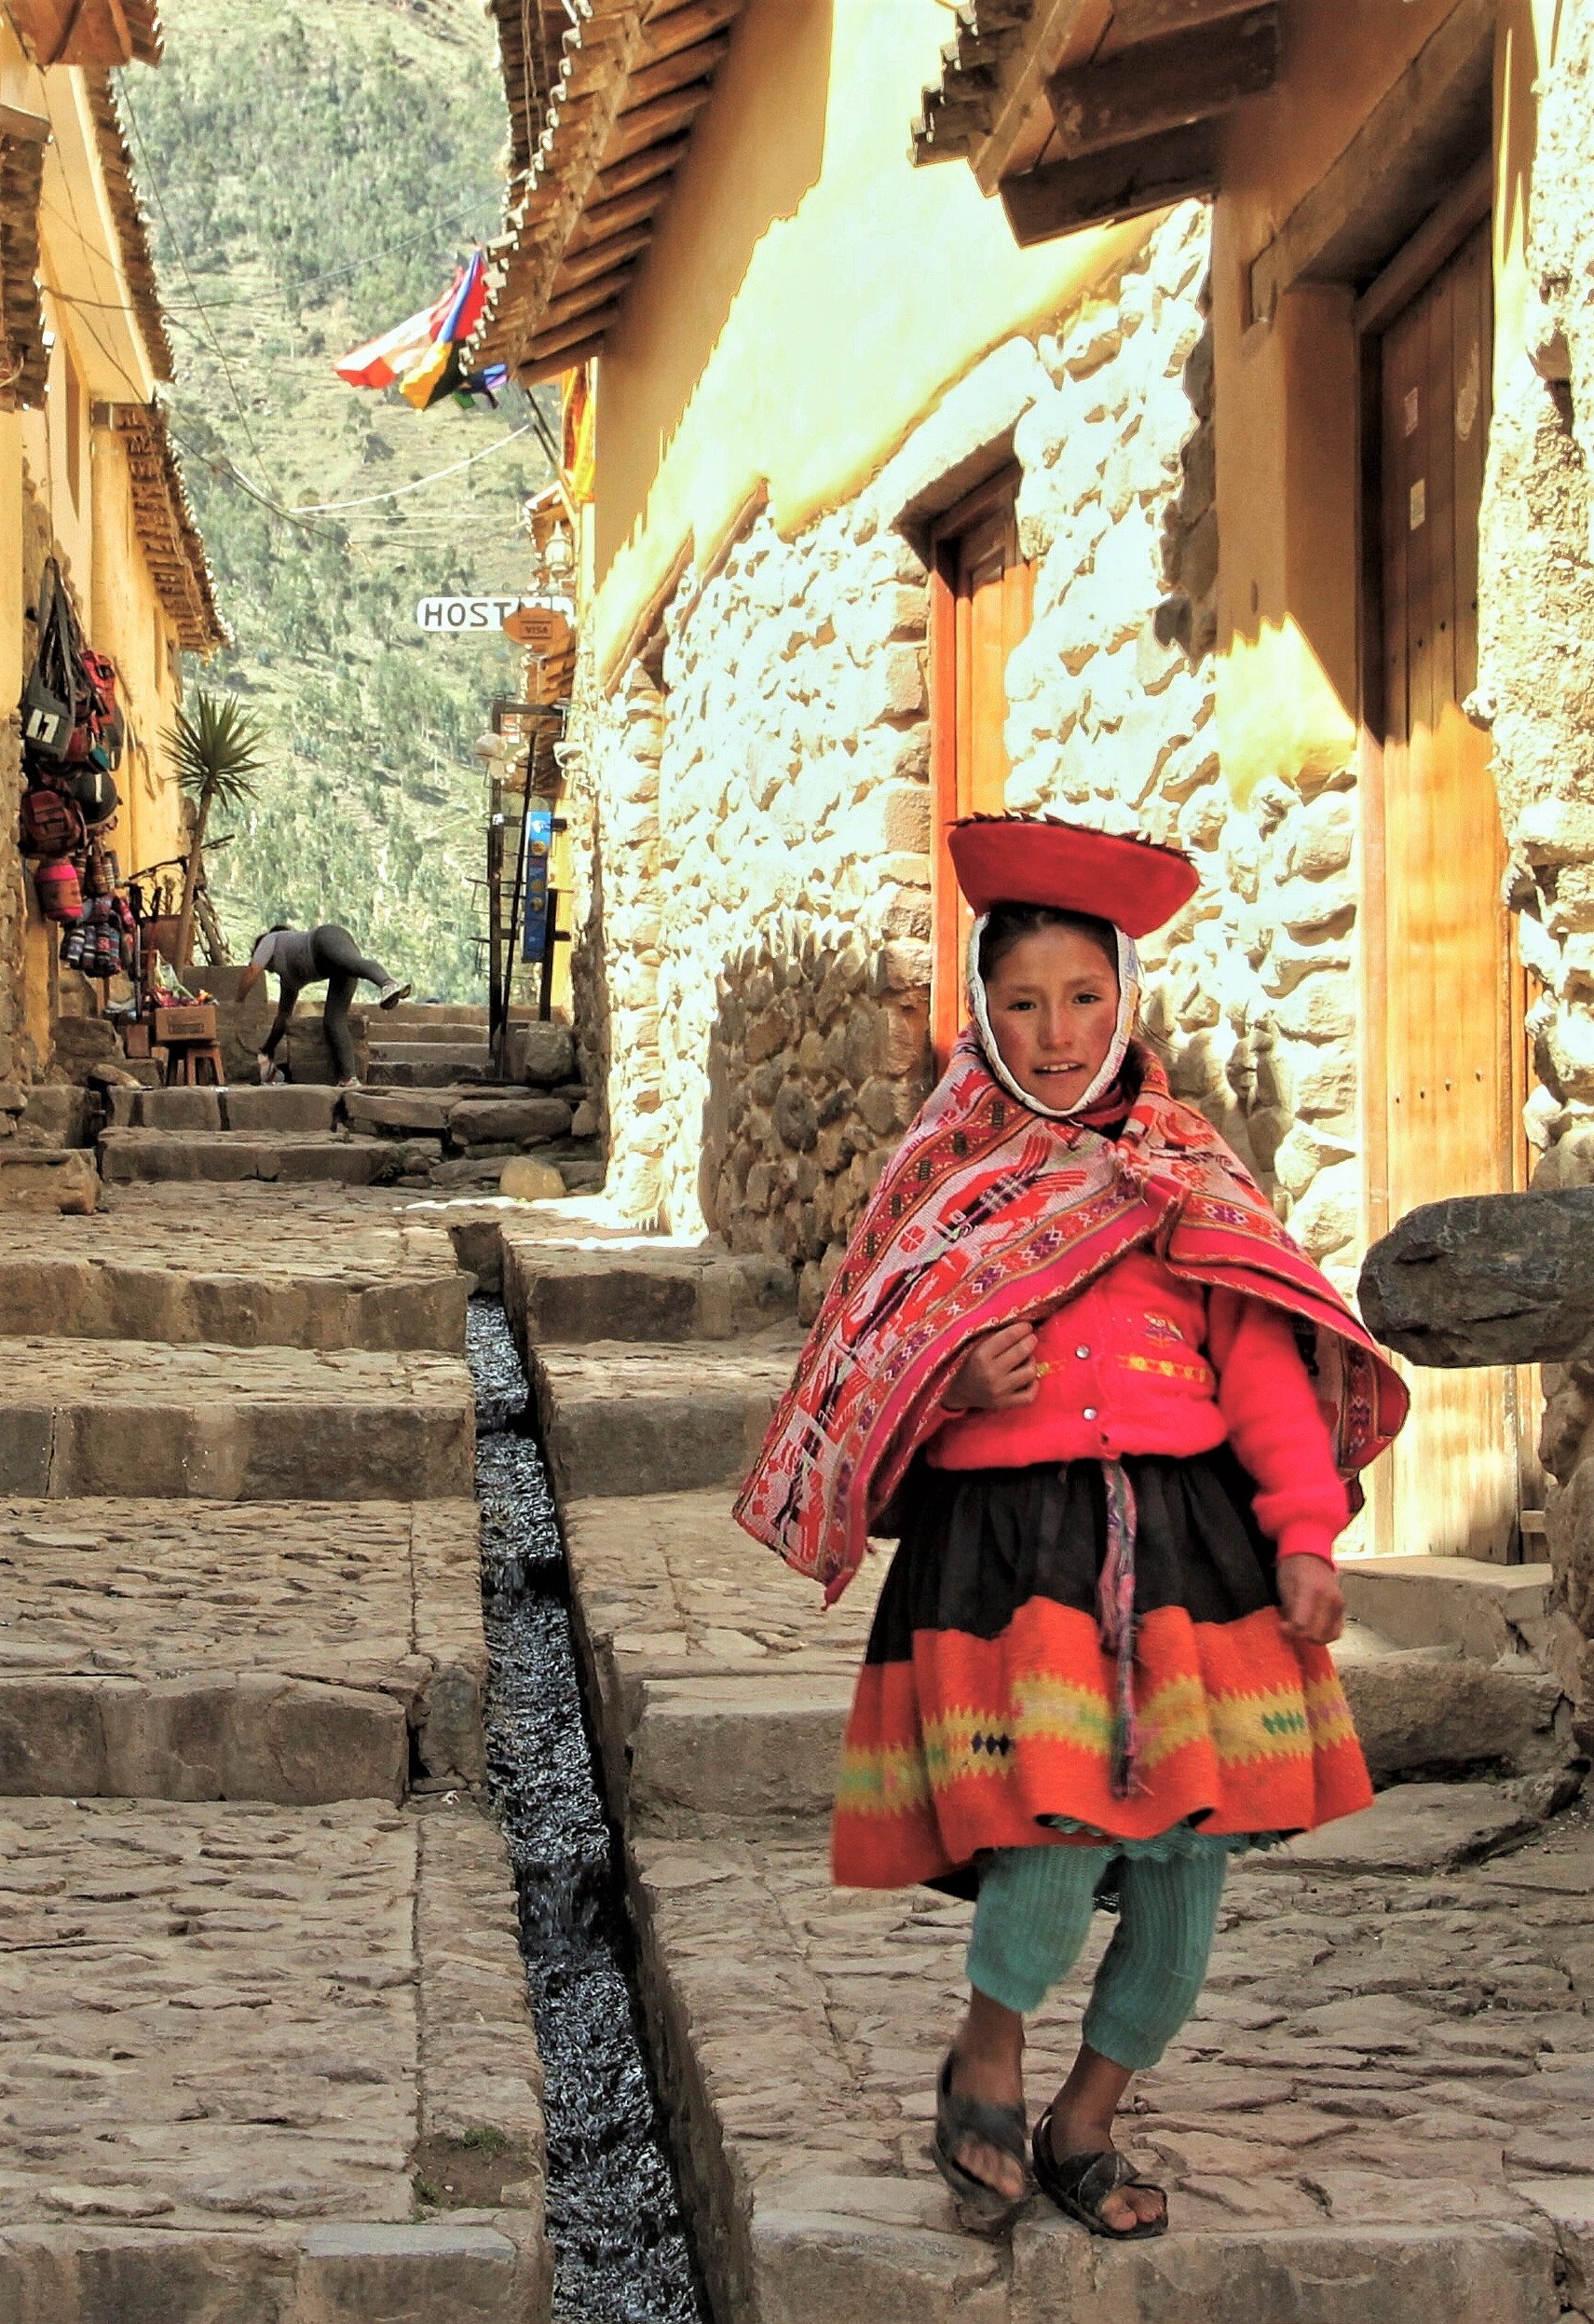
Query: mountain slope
x=313 y=176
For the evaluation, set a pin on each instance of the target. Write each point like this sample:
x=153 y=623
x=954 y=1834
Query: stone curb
x=250 y=1736
x=118 y=1299
x=232 y=1423
x=620 y=1418
x=554 y=1296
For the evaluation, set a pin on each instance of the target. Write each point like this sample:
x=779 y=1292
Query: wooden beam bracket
x=1166 y=84
x=1120 y=182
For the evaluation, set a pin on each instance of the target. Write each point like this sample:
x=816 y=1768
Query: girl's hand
x=1313 y=1602
x=997 y=1373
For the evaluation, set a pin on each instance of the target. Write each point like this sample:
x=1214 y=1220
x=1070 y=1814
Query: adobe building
x=1100 y=415
x=89 y=473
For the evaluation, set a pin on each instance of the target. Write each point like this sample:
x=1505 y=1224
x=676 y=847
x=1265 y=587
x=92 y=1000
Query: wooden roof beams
x=1120 y=182
x=89 y=32
x=163 y=519
x=632 y=81
x=1143 y=91
x=1078 y=112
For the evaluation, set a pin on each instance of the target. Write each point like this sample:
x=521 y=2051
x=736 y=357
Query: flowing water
x=620 y=2249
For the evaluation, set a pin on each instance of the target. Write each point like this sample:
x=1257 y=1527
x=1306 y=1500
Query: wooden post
x=549 y=947
x=497 y=1004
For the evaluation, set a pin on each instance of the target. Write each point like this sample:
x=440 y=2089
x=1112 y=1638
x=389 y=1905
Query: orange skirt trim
x=971 y=1745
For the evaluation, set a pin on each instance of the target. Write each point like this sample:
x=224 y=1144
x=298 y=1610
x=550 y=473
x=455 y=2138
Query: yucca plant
x=217 y=750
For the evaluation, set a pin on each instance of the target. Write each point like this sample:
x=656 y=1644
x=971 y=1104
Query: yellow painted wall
x=809 y=295
x=98 y=357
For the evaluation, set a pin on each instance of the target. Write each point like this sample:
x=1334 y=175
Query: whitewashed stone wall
x=1536 y=691
x=1113 y=721
x=755 y=965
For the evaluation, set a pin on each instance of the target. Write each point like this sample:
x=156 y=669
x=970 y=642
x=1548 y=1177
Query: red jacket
x=1141 y=1362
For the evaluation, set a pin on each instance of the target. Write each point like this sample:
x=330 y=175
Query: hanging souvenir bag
x=51 y=822
x=95 y=793
x=49 y=696
x=61 y=897
x=104 y=720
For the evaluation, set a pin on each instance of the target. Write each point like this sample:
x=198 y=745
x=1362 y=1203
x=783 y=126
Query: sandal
x=982 y=2208
x=1080 y=2184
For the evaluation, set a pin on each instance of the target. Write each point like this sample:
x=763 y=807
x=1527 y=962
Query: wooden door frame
x=999 y=491
x=1408 y=274
x=1403 y=280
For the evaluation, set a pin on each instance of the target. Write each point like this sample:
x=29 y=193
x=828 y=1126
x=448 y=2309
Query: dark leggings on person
x=341 y=962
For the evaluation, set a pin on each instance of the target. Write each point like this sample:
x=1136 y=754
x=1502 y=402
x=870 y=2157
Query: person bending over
x=298 y=957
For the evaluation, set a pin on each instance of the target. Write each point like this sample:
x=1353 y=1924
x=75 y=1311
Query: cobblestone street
x=257 y=1933
x=797 y=1085
x=243 y=1738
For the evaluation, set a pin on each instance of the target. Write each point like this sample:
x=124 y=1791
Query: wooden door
x=982 y=594
x=1452 y=1007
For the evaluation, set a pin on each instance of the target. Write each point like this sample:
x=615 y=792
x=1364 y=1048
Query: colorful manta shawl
x=989 y=1213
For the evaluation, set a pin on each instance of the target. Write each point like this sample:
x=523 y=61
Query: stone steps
x=799 y=2030
x=137 y=1418
x=248 y=1269
x=244 y=2048
x=299 y=1653
x=424 y=1066
x=620 y=1417
x=554 y=1294
x=720 y=1685
x=1486 y=1610
x=129 y=1157
x=387 y=1025
x=297 y=1107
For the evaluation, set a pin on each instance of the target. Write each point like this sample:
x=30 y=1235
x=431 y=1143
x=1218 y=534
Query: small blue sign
x=539 y=844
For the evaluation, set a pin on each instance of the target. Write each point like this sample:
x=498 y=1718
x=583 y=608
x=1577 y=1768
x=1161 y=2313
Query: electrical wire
x=334 y=274
x=321 y=508
x=153 y=185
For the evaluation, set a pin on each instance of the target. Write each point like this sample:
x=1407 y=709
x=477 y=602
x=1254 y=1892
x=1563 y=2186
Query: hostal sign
x=540 y=627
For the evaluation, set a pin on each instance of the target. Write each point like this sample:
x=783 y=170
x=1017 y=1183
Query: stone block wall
x=1536 y=692
x=1113 y=720
x=753 y=970
x=753 y=975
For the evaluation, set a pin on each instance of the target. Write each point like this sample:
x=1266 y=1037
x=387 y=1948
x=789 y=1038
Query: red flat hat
x=1033 y=860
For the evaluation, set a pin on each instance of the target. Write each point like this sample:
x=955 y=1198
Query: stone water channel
x=621 y=2254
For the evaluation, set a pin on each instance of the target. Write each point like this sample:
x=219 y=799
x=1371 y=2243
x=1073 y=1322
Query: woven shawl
x=989 y=1213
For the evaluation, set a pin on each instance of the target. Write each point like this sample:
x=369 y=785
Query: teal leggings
x=1033 y=1916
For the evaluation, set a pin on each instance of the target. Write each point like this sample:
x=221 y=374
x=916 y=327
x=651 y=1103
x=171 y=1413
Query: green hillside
x=313 y=175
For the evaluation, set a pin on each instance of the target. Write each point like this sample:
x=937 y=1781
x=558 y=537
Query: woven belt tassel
x=1115 y=1623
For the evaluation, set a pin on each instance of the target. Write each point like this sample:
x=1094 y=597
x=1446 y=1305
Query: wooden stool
x=185 y=1059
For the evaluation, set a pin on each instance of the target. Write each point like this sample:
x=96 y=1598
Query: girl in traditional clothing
x=1110 y=1409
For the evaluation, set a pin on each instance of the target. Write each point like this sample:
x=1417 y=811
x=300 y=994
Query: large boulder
x=1486 y=1279
x=77 y=1042
x=543 y=1055
x=513 y=1121
x=46 y=1179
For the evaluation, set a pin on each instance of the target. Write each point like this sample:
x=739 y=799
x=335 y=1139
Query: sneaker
x=391 y=994
x=352 y=1083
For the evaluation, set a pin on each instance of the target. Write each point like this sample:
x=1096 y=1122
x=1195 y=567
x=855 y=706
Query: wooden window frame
x=949 y=736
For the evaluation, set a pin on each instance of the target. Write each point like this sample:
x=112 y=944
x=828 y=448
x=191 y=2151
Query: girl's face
x=1052 y=1002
